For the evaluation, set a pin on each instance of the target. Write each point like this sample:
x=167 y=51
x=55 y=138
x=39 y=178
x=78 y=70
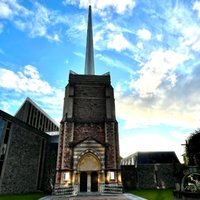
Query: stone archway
x=89 y=166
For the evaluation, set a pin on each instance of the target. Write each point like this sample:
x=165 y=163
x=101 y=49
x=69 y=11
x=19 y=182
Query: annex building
x=150 y=170
x=27 y=152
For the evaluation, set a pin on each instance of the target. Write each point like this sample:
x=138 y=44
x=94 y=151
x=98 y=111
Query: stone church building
x=88 y=151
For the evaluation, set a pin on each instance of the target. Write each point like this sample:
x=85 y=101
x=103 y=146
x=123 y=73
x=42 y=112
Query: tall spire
x=89 y=55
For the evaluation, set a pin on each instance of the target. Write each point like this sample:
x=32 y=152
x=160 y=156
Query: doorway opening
x=94 y=182
x=83 y=182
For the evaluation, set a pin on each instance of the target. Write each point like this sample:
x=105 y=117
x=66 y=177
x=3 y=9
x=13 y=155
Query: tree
x=193 y=148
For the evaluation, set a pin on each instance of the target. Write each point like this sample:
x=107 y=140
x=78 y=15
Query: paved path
x=125 y=196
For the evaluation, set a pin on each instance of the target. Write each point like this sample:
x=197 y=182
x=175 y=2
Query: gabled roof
x=37 y=107
x=158 y=157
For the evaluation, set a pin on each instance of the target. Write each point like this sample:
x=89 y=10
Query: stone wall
x=50 y=168
x=24 y=161
x=129 y=177
x=148 y=176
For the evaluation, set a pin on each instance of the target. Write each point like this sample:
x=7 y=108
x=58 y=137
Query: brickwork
x=82 y=131
x=111 y=150
x=89 y=110
x=88 y=127
x=86 y=91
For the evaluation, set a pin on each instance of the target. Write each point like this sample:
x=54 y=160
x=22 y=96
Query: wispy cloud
x=119 y=7
x=114 y=63
x=39 y=22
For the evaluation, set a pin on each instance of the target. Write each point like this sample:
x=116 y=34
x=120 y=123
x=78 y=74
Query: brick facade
x=88 y=127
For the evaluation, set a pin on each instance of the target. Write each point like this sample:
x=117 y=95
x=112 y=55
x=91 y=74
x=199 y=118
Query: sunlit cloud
x=118 y=42
x=120 y=7
x=196 y=7
x=28 y=83
x=156 y=70
x=149 y=142
x=144 y=34
x=26 y=80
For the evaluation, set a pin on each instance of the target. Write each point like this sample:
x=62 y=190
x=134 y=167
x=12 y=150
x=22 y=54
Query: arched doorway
x=89 y=167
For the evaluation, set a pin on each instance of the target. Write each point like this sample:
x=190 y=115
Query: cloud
x=114 y=63
x=38 y=22
x=174 y=103
x=137 y=116
x=5 y=10
x=196 y=7
x=5 y=106
x=27 y=80
x=11 y=8
x=150 y=142
x=118 y=42
x=120 y=7
x=144 y=34
x=28 y=83
x=112 y=37
x=158 y=68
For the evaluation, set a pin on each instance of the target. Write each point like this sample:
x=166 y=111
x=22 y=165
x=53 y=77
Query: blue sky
x=150 y=47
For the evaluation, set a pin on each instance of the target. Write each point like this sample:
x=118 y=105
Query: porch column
x=89 y=182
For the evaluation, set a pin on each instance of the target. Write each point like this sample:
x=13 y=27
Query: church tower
x=88 y=151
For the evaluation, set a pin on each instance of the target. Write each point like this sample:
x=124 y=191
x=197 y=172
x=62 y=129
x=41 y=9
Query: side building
x=27 y=153
x=147 y=170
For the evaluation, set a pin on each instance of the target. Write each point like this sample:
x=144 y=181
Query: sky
x=150 y=47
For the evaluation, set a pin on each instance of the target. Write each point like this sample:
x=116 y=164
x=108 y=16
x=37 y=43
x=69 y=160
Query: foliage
x=33 y=196
x=192 y=148
x=154 y=194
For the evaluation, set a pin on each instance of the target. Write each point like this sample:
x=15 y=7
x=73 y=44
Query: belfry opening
x=88 y=151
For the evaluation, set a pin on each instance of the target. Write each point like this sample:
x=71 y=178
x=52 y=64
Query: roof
x=158 y=157
x=37 y=107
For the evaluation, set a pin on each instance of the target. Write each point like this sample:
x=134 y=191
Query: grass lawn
x=162 y=194
x=33 y=196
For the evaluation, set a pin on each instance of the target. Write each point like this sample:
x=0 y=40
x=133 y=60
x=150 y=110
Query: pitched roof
x=157 y=157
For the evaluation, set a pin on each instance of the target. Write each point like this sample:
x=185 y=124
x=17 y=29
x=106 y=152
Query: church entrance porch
x=89 y=181
x=89 y=173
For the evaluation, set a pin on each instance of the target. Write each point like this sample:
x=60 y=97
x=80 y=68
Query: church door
x=83 y=182
x=94 y=182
